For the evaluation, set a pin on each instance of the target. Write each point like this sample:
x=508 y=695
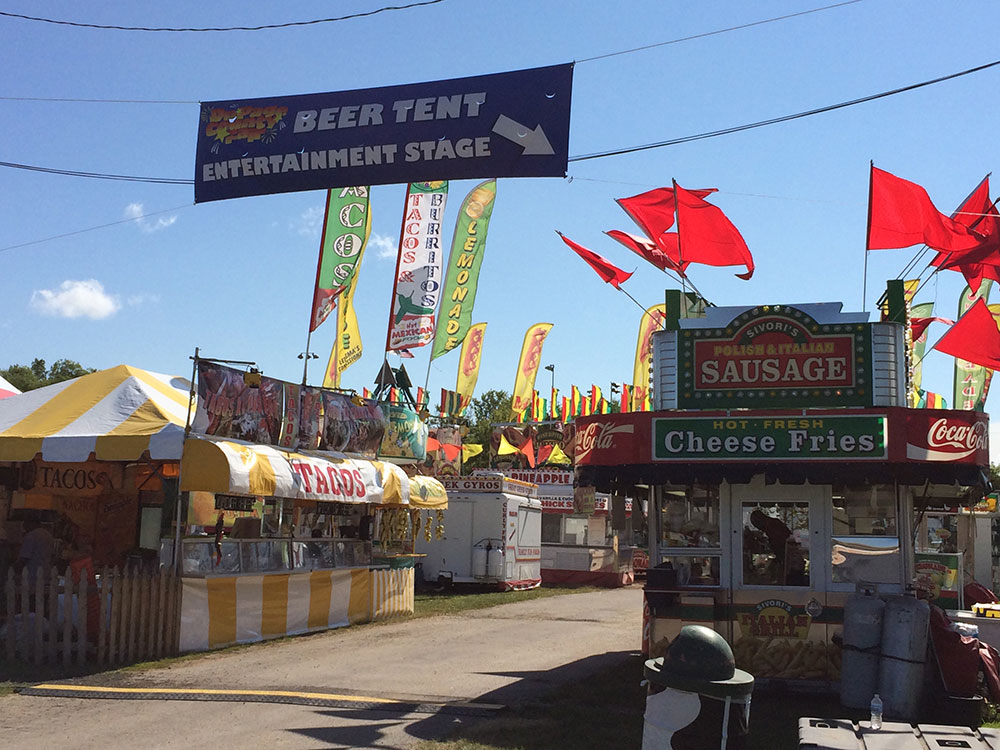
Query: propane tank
x=494 y=562
x=904 y=651
x=863 y=616
x=479 y=561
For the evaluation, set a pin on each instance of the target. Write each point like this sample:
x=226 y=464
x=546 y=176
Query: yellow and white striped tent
x=117 y=414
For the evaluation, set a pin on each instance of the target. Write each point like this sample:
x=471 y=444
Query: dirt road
x=503 y=655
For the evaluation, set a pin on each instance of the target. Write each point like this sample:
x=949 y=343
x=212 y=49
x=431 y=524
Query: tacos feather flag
x=527 y=366
x=604 y=268
x=346 y=224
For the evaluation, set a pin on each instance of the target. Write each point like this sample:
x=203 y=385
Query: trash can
x=697 y=698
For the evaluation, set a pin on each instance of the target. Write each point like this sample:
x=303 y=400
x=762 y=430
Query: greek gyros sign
x=512 y=124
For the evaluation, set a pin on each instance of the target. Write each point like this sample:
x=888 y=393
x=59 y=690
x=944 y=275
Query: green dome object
x=700 y=661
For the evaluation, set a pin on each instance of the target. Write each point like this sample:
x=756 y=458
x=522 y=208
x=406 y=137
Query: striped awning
x=117 y=414
x=427 y=492
x=234 y=467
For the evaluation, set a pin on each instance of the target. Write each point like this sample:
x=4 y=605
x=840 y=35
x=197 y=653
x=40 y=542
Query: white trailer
x=493 y=534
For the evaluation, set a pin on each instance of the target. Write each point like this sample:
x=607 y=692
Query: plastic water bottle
x=876 y=709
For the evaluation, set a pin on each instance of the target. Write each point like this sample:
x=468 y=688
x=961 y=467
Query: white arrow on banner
x=533 y=141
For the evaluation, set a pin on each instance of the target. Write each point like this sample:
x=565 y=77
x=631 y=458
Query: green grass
x=456 y=601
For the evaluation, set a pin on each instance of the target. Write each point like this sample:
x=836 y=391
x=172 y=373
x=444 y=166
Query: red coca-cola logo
x=945 y=433
x=598 y=436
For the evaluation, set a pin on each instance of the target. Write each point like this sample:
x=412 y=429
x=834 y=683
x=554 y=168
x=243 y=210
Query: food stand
x=786 y=470
x=583 y=541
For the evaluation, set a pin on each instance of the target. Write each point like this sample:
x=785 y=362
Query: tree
x=492 y=406
x=28 y=378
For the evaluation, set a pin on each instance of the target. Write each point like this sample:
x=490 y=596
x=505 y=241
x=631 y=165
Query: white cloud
x=76 y=299
x=134 y=300
x=136 y=211
x=310 y=222
x=385 y=246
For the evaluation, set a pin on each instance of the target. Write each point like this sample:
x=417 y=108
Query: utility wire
x=596 y=155
x=92 y=229
x=784 y=118
x=716 y=32
x=222 y=28
x=94 y=101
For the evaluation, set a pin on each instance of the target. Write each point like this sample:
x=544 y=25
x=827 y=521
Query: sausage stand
x=785 y=471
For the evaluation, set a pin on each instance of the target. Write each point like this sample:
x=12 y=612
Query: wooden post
x=144 y=584
x=53 y=612
x=9 y=592
x=25 y=604
x=133 y=609
x=38 y=600
x=114 y=629
x=159 y=609
x=102 y=619
x=171 y=632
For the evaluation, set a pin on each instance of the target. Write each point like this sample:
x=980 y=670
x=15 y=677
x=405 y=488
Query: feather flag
x=527 y=366
x=608 y=272
x=346 y=223
x=970 y=377
x=974 y=338
x=707 y=236
x=464 y=263
x=651 y=321
x=469 y=360
x=901 y=214
x=418 y=268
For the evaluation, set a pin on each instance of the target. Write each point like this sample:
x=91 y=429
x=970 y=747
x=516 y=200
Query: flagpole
x=319 y=269
x=868 y=236
x=395 y=278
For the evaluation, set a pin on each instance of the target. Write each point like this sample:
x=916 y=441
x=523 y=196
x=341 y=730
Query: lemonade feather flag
x=347 y=348
x=416 y=289
x=464 y=263
x=527 y=366
x=346 y=224
x=469 y=360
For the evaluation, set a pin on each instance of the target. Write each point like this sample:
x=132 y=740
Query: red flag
x=974 y=338
x=606 y=270
x=648 y=250
x=433 y=444
x=708 y=236
x=528 y=449
x=901 y=214
x=979 y=214
x=919 y=325
x=653 y=211
x=544 y=452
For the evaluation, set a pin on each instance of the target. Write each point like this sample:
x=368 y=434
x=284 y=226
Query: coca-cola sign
x=948 y=436
x=599 y=436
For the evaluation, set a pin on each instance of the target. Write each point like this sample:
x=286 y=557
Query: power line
x=716 y=32
x=784 y=118
x=97 y=175
x=92 y=229
x=221 y=28
x=94 y=101
x=585 y=157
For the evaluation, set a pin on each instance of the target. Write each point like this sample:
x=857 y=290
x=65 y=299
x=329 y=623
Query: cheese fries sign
x=775 y=355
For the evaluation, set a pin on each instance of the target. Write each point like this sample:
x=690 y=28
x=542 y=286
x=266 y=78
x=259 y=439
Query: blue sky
x=235 y=277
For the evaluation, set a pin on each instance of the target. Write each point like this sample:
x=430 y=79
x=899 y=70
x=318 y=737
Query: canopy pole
x=187 y=431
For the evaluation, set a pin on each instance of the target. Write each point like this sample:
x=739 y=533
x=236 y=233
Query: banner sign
x=467 y=249
x=495 y=483
x=513 y=124
x=826 y=438
x=346 y=227
x=406 y=435
x=349 y=427
x=228 y=407
x=938 y=576
x=775 y=355
x=950 y=436
x=970 y=378
x=418 y=267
